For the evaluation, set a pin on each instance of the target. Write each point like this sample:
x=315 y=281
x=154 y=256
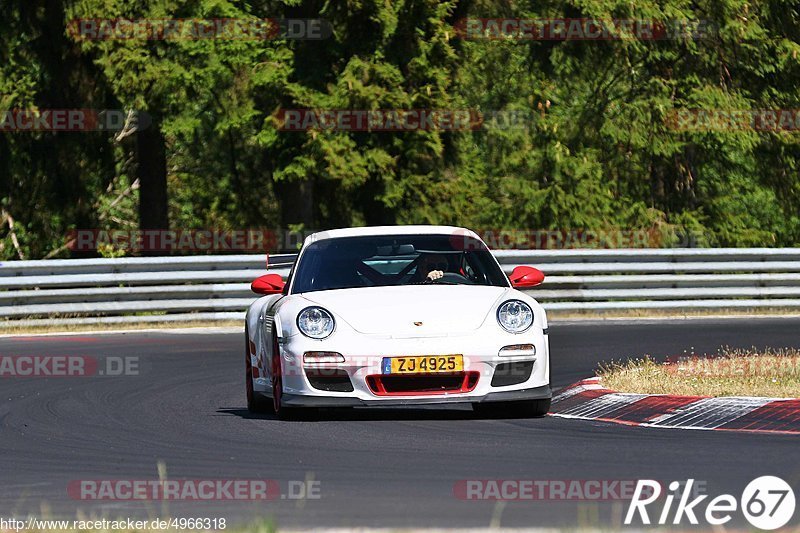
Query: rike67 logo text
x=767 y=502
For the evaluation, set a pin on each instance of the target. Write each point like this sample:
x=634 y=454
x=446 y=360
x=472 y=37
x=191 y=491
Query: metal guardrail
x=206 y=288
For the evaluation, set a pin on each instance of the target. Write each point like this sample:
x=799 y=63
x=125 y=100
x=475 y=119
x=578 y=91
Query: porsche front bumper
x=363 y=358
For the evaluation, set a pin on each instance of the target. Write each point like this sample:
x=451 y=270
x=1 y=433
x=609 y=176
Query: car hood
x=394 y=311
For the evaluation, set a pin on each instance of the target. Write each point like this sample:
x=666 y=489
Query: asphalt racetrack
x=379 y=467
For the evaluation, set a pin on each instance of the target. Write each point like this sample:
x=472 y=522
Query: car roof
x=370 y=231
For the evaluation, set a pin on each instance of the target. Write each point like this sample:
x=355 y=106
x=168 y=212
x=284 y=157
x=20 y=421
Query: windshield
x=389 y=260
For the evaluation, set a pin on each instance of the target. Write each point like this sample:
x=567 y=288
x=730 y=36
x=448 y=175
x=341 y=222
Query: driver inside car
x=431 y=267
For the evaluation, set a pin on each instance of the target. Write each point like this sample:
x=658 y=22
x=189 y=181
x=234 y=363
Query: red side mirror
x=525 y=276
x=268 y=284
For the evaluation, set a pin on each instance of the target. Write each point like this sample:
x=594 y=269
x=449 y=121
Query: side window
x=472 y=268
x=469 y=272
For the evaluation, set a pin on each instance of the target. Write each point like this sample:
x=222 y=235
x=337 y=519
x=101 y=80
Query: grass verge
x=773 y=373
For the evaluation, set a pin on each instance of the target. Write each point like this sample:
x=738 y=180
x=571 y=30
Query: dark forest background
x=599 y=155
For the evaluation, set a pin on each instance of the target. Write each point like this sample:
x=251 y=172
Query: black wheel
x=255 y=402
x=521 y=409
x=538 y=408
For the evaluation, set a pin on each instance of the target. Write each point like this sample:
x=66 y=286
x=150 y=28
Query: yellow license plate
x=423 y=364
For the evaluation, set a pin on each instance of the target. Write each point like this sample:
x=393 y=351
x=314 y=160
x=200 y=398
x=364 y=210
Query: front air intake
x=506 y=374
x=329 y=379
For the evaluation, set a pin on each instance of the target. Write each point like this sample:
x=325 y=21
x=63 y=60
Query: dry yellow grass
x=770 y=373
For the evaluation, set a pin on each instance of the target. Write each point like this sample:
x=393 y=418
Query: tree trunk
x=151 y=169
x=296 y=199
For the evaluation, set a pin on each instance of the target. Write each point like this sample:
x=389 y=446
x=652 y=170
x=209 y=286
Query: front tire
x=520 y=409
x=280 y=410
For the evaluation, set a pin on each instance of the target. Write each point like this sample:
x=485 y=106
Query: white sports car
x=397 y=315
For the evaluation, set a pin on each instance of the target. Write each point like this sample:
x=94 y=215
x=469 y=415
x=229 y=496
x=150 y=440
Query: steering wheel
x=452 y=277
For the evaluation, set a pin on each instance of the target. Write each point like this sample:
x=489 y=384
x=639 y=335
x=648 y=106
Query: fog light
x=518 y=349
x=323 y=357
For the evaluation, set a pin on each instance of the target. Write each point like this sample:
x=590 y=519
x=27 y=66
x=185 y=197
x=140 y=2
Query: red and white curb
x=589 y=400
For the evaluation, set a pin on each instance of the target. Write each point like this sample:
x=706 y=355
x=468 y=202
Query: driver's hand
x=435 y=274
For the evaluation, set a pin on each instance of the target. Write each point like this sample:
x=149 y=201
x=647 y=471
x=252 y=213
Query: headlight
x=315 y=322
x=515 y=316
